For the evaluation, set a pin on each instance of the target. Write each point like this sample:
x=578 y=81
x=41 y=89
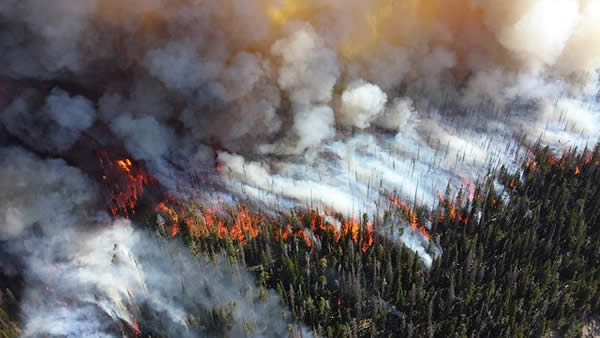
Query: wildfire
x=577 y=171
x=530 y=164
x=410 y=215
x=125 y=182
x=136 y=328
x=452 y=210
x=240 y=225
x=125 y=164
x=302 y=234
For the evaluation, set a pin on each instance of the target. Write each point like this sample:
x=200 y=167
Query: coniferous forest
x=521 y=258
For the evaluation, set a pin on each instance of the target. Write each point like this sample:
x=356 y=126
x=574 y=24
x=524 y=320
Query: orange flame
x=410 y=215
x=367 y=237
x=136 y=328
x=239 y=224
x=577 y=171
x=302 y=234
x=452 y=212
x=531 y=165
x=125 y=182
x=125 y=164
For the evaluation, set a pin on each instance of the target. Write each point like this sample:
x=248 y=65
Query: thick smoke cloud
x=51 y=124
x=333 y=104
x=361 y=103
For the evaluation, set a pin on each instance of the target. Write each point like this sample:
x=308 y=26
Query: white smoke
x=309 y=69
x=335 y=103
x=85 y=274
x=112 y=272
x=361 y=103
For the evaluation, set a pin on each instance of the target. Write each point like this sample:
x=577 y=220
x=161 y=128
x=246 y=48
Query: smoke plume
x=86 y=273
x=300 y=103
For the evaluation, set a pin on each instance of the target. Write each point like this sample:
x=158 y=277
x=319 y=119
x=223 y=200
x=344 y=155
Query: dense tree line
x=520 y=258
x=8 y=305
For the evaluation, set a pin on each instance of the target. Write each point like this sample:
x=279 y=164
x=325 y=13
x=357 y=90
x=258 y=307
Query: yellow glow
x=289 y=10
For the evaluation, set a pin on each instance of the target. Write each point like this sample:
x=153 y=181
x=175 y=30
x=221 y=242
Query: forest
x=521 y=258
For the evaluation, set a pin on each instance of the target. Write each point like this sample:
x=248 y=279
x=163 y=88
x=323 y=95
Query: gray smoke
x=333 y=104
x=85 y=273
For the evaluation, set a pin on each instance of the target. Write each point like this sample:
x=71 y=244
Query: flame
x=368 y=237
x=410 y=215
x=125 y=164
x=531 y=164
x=125 y=182
x=452 y=212
x=240 y=225
x=302 y=234
x=351 y=227
x=136 y=328
x=577 y=171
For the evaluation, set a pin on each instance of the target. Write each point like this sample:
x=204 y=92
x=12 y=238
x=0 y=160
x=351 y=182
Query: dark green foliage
x=8 y=326
x=521 y=258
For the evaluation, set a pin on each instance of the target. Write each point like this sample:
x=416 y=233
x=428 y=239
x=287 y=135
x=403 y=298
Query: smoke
x=51 y=124
x=331 y=104
x=41 y=193
x=85 y=273
x=120 y=274
x=361 y=104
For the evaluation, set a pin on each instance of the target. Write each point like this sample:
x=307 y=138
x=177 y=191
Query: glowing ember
x=136 y=328
x=452 y=212
x=531 y=165
x=125 y=164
